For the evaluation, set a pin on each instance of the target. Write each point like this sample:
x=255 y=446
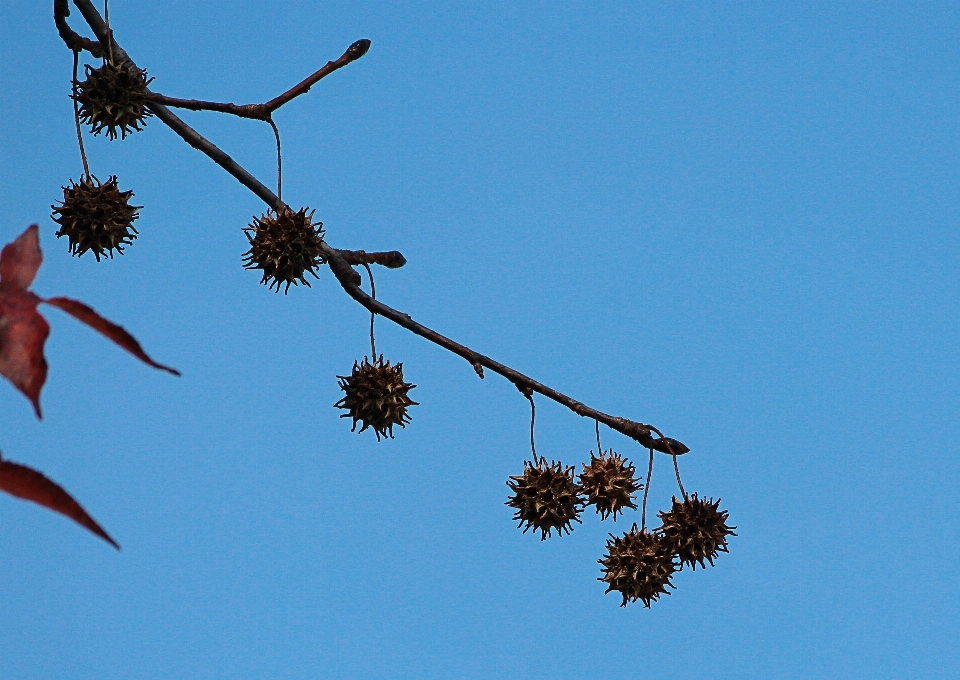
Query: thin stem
x=349 y=279
x=676 y=469
x=373 y=315
x=106 y=19
x=533 y=420
x=76 y=114
x=599 y=449
x=276 y=133
x=646 y=490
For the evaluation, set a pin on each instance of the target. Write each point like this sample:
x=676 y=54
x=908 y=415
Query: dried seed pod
x=376 y=396
x=609 y=484
x=96 y=217
x=285 y=246
x=695 y=530
x=546 y=497
x=638 y=565
x=113 y=97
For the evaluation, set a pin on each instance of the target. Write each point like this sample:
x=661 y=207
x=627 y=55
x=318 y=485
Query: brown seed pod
x=285 y=246
x=695 y=530
x=376 y=396
x=638 y=565
x=96 y=217
x=546 y=497
x=609 y=484
x=113 y=97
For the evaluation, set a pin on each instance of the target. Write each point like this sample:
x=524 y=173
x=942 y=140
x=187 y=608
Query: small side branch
x=340 y=264
x=391 y=260
x=254 y=111
x=265 y=110
x=73 y=40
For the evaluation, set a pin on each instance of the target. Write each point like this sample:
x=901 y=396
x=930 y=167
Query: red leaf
x=23 y=482
x=23 y=331
x=22 y=334
x=21 y=259
x=116 y=333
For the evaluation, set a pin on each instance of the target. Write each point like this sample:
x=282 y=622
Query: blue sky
x=736 y=221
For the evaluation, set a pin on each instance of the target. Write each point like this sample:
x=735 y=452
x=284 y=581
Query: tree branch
x=340 y=261
x=73 y=40
x=391 y=260
x=265 y=110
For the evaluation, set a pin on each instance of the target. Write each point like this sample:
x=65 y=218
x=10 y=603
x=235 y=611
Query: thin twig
x=106 y=20
x=373 y=316
x=263 y=111
x=76 y=114
x=646 y=490
x=676 y=469
x=392 y=259
x=354 y=52
x=533 y=419
x=599 y=450
x=276 y=133
x=349 y=279
x=253 y=111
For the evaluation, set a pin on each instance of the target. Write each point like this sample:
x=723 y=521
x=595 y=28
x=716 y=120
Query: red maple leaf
x=23 y=482
x=23 y=331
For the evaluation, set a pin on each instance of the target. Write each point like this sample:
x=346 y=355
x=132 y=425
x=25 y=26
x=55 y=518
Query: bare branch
x=354 y=52
x=73 y=40
x=265 y=110
x=255 y=111
x=391 y=260
x=340 y=261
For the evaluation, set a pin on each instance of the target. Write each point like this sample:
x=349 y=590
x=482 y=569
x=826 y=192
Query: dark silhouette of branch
x=73 y=40
x=391 y=260
x=340 y=261
x=265 y=110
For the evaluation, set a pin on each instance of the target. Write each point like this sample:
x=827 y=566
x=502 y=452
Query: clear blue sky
x=737 y=222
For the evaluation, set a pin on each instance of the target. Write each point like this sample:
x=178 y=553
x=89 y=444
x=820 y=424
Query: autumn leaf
x=28 y=484
x=23 y=331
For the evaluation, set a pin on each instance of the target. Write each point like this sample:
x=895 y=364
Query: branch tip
x=356 y=50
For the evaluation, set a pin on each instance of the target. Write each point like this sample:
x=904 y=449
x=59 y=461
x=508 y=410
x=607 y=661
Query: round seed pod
x=638 y=565
x=546 y=497
x=96 y=216
x=609 y=483
x=284 y=246
x=376 y=396
x=113 y=97
x=695 y=530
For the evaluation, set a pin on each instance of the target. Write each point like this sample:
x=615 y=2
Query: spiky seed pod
x=285 y=246
x=546 y=497
x=376 y=396
x=695 y=530
x=638 y=565
x=96 y=216
x=609 y=484
x=114 y=97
